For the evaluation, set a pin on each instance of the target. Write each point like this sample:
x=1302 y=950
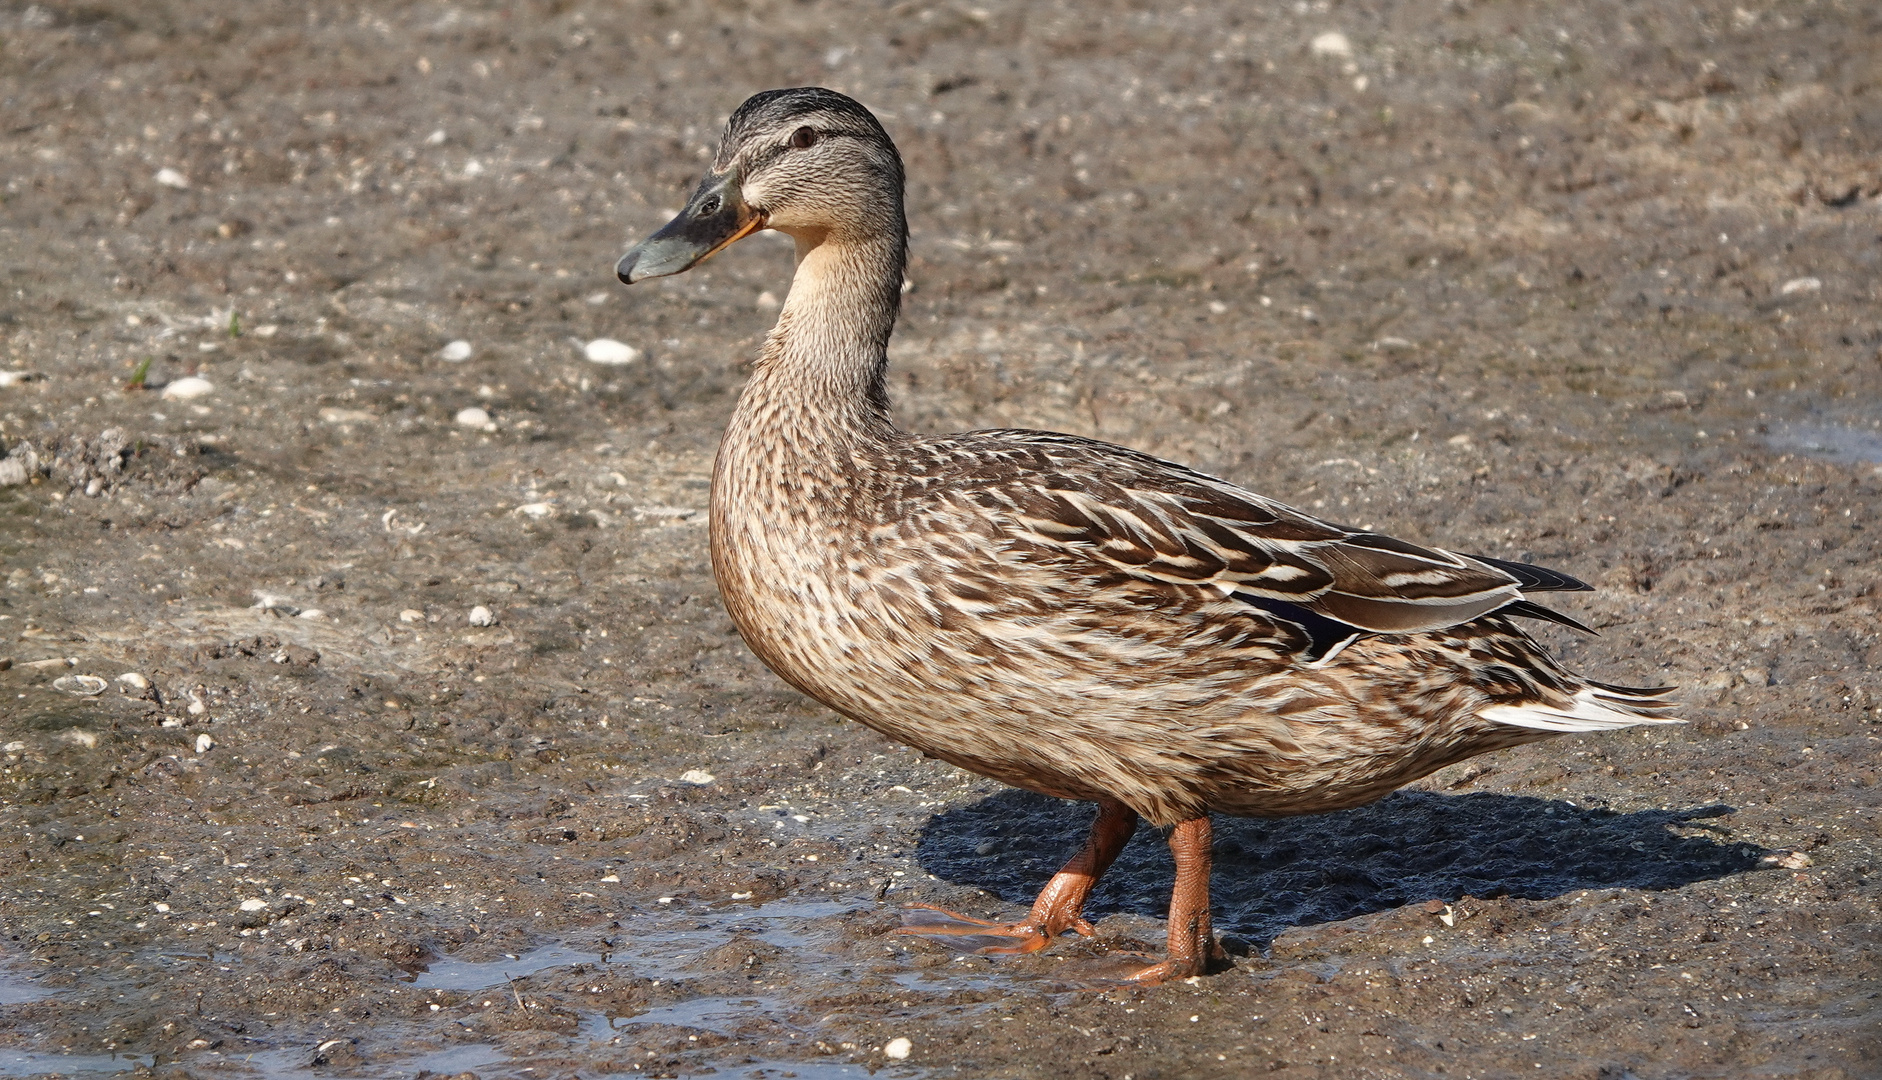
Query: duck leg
x=1061 y=904
x=1192 y=941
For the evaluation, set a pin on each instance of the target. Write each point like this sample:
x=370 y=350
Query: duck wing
x=1159 y=521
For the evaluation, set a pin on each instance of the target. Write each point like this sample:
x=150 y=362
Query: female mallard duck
x=1061 y=614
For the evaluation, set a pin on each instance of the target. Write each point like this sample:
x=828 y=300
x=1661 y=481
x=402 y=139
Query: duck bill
x=715 y=218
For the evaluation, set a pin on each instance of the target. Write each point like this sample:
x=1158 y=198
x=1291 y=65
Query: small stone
x=537 y=510
x=609 y=351
x=1332 y=43
x=1800 y=285
x=312 y=613
x=188 y=387
x=612 y=879
x=897 y=1049
x=254 y=904
x=697 y=777
x=79 y=737
x=346 y=416
x=456 y=352
x=411 y=615
x=134 y=680
x=267 y=601
x=472 y=417
x=482 y=616
x=170 y=178
x=205 y=743
x=81 y=685
x=1789 y=860
x=767 y=300
x=14 y=747
x=12 y=472
x=160 y=908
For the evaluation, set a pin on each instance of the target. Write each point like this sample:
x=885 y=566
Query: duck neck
x=821 y=373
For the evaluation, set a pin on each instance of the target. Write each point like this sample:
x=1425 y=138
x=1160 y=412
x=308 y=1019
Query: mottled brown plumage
x=1061 y=614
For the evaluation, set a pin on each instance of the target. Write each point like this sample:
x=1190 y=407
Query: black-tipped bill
x=714 y=218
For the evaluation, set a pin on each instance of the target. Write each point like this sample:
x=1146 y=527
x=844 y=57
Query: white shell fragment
x=609 y=351
x=188 y=387
x=1800 y=285
x=456 y=352
x=82 y=685
x=536 y=510
x=482 y=616
x=697 y=777
x=897 y=1049
x=170 y=178
x=254 y=904
x=411 y=615
x=134 y=680
x=472 y=417
x=1332 y=43
x=204 y=743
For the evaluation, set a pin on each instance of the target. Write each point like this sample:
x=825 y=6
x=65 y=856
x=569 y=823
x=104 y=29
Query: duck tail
x=1595 y=707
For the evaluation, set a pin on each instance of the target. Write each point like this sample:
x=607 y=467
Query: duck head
x=808 y=162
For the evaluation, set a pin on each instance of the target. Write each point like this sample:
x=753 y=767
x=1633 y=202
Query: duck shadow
x=1274 y=874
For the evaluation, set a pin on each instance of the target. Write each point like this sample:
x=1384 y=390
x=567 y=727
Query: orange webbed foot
x=964 y=933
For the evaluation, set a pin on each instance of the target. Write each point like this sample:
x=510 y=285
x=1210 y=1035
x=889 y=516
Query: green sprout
x=235 y=323
x=137 y=376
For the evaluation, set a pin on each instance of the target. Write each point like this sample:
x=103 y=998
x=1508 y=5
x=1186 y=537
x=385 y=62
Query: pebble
x=253 y=903
x=13 y=378
x=897 y=1049
x=312 y=613
x=204 y=743
x=170 y=178
x=267 y=601
x=12 y=472
x=1332 y=43
x=1789 y=860
x=609 y=351
x=346 y=416
x=82 y=685
x=134 y=680
x=473 y=417
x=536 y=510
x=767 y=300
x=79 y=737
x=482 y=616
x=697 y=777
x=1800 y=285
x=411 y=615
x=456 y=352
x=188 y=387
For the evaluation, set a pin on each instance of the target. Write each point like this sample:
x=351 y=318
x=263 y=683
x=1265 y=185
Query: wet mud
x=346 y=731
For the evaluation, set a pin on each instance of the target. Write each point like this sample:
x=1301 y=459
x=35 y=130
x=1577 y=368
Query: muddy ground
x=1592 y=283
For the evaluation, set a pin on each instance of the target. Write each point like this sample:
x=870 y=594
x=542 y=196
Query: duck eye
x=709 y=206
x=803 y=138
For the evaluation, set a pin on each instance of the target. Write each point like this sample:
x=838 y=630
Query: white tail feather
x=1589 y=714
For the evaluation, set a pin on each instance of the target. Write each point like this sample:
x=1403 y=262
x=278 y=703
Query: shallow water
x=1852 y=443
x=21 y=1063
